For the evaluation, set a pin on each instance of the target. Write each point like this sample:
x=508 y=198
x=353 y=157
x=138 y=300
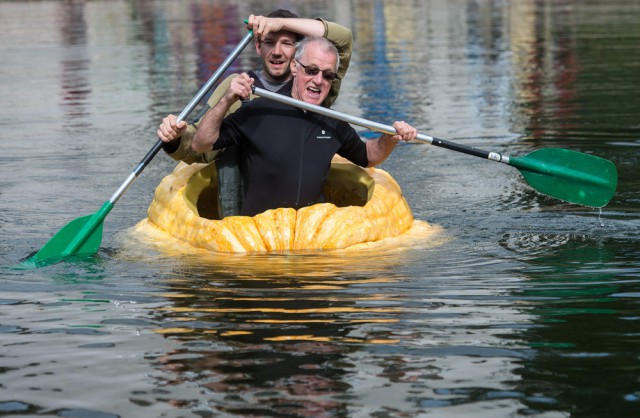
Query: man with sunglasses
x=276 y=37
x=286 y=151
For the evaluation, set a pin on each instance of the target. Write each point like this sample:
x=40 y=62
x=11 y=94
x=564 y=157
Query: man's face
x=277 y=50
x=312 y=88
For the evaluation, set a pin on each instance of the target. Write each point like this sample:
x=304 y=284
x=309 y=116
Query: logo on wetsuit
x=323 y=135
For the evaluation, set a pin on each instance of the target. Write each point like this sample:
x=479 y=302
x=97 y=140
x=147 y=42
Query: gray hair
x=325 y=44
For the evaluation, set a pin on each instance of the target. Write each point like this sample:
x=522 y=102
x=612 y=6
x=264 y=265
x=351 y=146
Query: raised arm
x=209 y=128
x=262 y=26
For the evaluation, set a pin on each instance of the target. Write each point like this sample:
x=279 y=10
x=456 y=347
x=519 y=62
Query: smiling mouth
x=313 y=90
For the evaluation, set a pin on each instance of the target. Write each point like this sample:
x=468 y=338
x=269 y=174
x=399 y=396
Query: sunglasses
x=312 y=70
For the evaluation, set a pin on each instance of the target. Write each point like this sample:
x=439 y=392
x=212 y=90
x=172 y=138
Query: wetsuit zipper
x=301 y=160
x=299 y=175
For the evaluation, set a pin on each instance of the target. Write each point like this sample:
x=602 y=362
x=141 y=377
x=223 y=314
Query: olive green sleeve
x=342 y=38
x=184 y=151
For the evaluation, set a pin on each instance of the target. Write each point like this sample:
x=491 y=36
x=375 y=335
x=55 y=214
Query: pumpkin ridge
x=344 y=227
x=277 y=228
x=308 y=224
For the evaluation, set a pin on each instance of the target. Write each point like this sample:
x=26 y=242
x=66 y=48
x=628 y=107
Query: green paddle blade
x=80 y=237
x=569 y=175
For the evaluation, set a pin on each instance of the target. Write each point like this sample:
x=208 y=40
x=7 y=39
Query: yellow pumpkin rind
x=319 y=227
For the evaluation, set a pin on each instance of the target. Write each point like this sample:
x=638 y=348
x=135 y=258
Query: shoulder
x=224 y=84
x=340 y=35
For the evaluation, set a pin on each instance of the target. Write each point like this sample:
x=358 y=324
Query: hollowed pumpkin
x=366 y=205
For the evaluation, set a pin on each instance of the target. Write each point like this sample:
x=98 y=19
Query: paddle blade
x=569 y=175
x=80 y=237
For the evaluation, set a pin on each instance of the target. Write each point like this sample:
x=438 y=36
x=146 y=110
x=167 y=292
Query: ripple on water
x=530 y=244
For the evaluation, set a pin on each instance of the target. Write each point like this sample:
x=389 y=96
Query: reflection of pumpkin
x=367 y=206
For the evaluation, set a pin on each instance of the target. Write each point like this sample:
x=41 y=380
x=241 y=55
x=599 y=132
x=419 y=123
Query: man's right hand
x=262 y=26
x=169 y=129
x=240 y=88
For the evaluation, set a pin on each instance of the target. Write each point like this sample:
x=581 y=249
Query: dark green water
x=525 y=306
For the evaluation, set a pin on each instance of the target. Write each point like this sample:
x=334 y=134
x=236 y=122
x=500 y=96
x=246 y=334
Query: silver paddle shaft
x=182 y=116
x=379 y=127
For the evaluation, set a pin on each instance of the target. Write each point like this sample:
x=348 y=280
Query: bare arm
x=262 y=26
x=209 y=128
x=379 y=149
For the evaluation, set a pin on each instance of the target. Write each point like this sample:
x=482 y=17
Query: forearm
x=306 y=27
x=379 y=149
x=181 y=150
x=209 y=126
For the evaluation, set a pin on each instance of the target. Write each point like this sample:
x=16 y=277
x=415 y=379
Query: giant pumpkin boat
x=365 y=207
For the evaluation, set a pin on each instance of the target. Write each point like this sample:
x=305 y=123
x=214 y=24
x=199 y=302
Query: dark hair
x=287 y=14
x=282 y=13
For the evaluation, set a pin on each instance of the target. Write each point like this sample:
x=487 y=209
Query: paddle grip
x=443 y=143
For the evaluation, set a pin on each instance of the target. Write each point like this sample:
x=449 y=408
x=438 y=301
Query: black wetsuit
x=288 y=152
x=229 y=164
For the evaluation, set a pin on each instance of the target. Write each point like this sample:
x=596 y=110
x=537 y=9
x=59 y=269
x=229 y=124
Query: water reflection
x=531 y=308
x=381 y=74
x=303 y=346
x=546 y=67
x=272 y=345
x=75 y=66
x=573 y=294
x=558 y=78
x=216 y=32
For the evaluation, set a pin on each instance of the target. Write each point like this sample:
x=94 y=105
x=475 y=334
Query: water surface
x=524 y=306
